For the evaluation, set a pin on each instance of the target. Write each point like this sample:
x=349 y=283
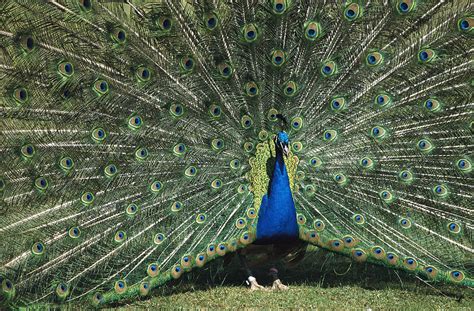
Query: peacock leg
x=251 y=280
x=277 y=284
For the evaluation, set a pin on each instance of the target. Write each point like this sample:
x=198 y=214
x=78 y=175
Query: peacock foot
x=278 y=285
x=254 y=286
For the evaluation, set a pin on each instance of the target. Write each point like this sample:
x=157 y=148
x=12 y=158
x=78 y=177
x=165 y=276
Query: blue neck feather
x=277 y=213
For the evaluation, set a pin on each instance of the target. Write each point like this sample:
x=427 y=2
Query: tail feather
x=135 y=137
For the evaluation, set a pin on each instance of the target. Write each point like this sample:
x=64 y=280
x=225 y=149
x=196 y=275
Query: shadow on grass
x=320 y=269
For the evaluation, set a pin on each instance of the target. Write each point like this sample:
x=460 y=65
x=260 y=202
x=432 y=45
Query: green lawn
x=309 y=296
x=321 y=281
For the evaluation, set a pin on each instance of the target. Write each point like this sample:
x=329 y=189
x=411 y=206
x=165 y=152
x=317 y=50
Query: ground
x=322 y=281
x=303 y=296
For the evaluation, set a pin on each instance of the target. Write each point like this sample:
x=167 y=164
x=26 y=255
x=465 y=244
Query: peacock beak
x=285 y=149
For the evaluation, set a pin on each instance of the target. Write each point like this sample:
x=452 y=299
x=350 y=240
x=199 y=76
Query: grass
x=322 y=281
x=307 y=296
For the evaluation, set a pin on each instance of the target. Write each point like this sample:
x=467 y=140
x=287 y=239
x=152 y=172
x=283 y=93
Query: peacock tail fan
x=135 y=137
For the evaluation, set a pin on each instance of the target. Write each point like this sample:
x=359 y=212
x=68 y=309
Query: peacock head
x=282 y=142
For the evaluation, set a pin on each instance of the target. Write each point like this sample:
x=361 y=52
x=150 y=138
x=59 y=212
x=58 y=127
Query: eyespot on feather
x=312 y=30
x=120 y=287
x=352 y=12
x=20 y=95
x=250 y=33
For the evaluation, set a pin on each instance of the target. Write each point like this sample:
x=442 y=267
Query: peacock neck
x=277 y=214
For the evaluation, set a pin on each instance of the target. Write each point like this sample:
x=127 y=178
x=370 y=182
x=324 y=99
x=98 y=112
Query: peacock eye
x=235 y=164
x=352 y=12
x=432 y=105
x=131 y=209
x=250 y=33
x=164 y=23
x=318 y=225
x=38 y=248
x=159 y=238
x=120 y=236
x=176 y=110
x=119 y=36
x=382 y=100
x=74 y=232
x=190 y=171
x=454 y=227
x=86 y=4
x=279 y=6
x=366 y=163
x=309 y=190
x=251 y=89
x=215 y=111
x=387 y=196
x=27 y=43
x=312 y=30
x=405 y=6
x=20 y=95
x=246 y=122
x=405 y=223
x=410 y=263
x=301 y=219
x=297 y=123
x=28 y=151
x=465 y=24
x=87 y=198
x=179 y=149
x=211 y=20
x=405 y=176
x=464 y=165
x=456 y=276
x=251 y=213
x=328 y=68
x=216 y=183
x=426 y=56
x=120 y=286
x=141 y=153
x=201 y=218
x=358 y=219
x=62 y=290
x=297 y=146
x=378 y=133
x=176 y=206
x=240 y=223
x=98 y=134
x=66 y=163
x=143 y=74
x=241 y=188
x=41 y=183
x=101 y=87
x=440 y=191
x=110 y=170
x=340 y=179
x=153 y=270
x=425 y=146
x=66 y=69
x=225 y=70
x=278 y=58
x=315 y=162
x=187 y=64
x=290 y=89
x=338 y=104
x=156 y=186
x=329 y=135
x=374 y=59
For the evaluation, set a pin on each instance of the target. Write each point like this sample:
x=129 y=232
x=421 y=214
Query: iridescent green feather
x=136 y=139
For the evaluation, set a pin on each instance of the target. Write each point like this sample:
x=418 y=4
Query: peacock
x=140 y=140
